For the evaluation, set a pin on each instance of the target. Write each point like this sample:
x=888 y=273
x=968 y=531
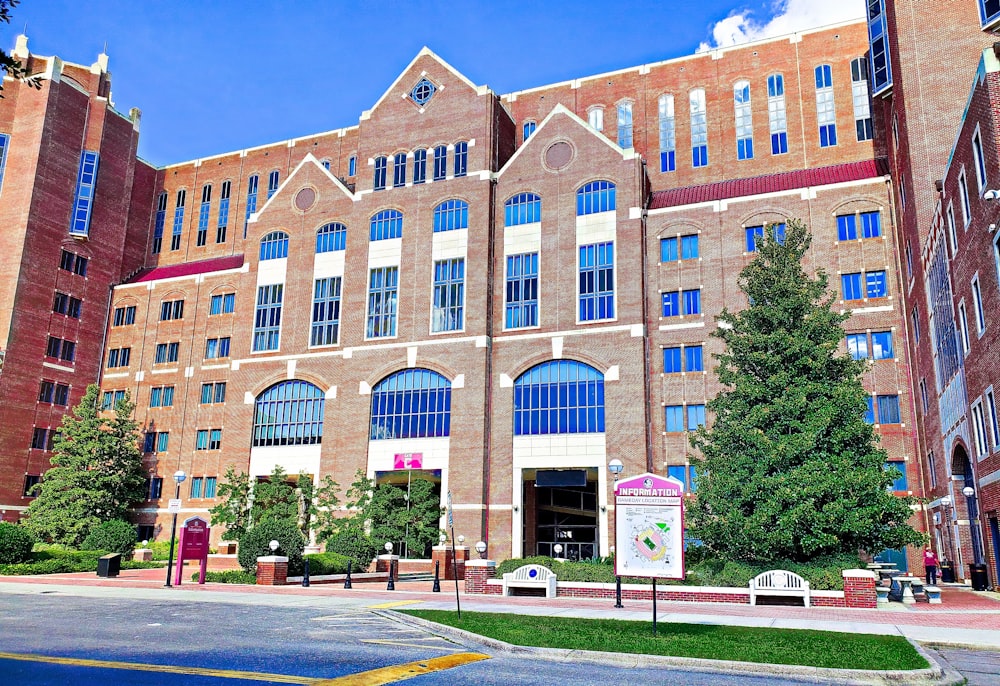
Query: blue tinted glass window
x=85 y=181
x=162 y=441
x=672 y=360
x=383 y=289
x=461 y=158
x=451 y=215
x=331 y=237
x=449 y=295
x=326 y=311
x=689 y=247
x=4 y=145
x=679 y=472
x=272 y=182
x=399 y=170
x=673 y=418
x=875 y=284
x=857 y=346
x=850 y=285
x=596 y=196
x=381 y=166
x=899 y=480
x=440 y=162
x=252 y=184
x=878 y=41
x=882 y=345
x=597 y=287
x=523 y=208
x=869 y=414
x=693 y=360
x=692 y=301
x=559 y=397
x=521 y=302
x=267 y=317
x=671 y=304
x=419 y=166
x=847 y=227
x=871 y=224
x=668 y=249
x=888 y=409
x=695 y=417
x=415 y=403
x=385 y=225
x=274 y=246
x=289 y=413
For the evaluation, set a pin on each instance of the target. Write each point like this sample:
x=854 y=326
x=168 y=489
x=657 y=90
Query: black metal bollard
x=391 y=586
x=618 y=592
x=305 y=573
x=347 y=581
x=437 y=579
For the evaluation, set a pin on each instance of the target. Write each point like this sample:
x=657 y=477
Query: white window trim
x=614 y=276
x=979 y=429
x=993 y=425
x=977 y=302
x=979 y=160
x=963 y=325
x=595 y=116
x=952 y=233
x=963 y=193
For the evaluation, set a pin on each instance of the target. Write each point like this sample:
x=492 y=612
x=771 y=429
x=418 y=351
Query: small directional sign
x=451 y=513
x=174 y=506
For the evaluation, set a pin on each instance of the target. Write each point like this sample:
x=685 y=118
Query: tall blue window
x=451 y=215
x=826 y=114
x=850 y=286
x=869 y=413
x=206 y=207
x=161 y=220
x=689 y=247
x=857 y=346
x=267 y=317
x=326 y=312
x=989 y=11
x=686 y=474
x=414 y=403
x=523 y=208
x=776 y=118
x=449 y=295
x=876 y=285
x=671 y=302
x=597 y=282
x=381 y=164
x=272 y=183
x=399 y=170
x=898 y=482
x=847 y=227
x=386 y=224
x=668 y=134
x=461 y=158
x=289 y=413
x=668 y=249
x=673 y=418
x=175 y=236
x=383 y=290
x=596 y=196
x=699 y=129
x=274 y=246
x=625 y=124
x=559 y=397
x=672 y=361
x=693 y=359
x=888 y=409
x=252 y=184
x=220 y=231
x=527 y=130
x=744 y=120
x=352 y=165
x=695 y=417
x=521 y=308
x=419 y=166
x=871 y=225
x=691 y=300
x=882 y=345
x=331 y=237
x=84 y=200
x=4 y=145
x=878 y=41
x=440 y=162
x=755 y=235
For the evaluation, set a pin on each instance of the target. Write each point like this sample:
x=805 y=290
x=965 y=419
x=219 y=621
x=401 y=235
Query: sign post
x=195 y=533
x=649 y=529
x=454 y=553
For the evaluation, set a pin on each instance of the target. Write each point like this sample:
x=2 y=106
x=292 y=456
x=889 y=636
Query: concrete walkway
x=965 y=618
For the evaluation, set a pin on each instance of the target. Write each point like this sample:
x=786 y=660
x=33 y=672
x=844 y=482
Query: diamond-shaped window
x=423 y=92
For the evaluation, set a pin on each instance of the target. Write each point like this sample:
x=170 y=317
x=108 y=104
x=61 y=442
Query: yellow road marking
x=386 y=606
x=388 y=675
x=404 y=644
x=165 y=669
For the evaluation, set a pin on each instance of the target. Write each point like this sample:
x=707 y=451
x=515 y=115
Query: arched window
x=330 y=237
x=386 y=224
x=288 y=413
x=413 y=403
x=596 y=196
x=523 y=208
x=826 y=113
x=625 y=124
x=274 y=246
x=450 y=215
x=559 y=397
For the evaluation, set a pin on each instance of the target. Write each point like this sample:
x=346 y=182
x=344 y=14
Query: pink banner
x=408 y=461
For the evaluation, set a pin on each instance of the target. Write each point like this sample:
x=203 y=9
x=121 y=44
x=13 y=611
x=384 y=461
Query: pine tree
x=96 y=472
x=789 y=468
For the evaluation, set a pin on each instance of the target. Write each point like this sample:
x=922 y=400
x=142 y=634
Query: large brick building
x=498 y=293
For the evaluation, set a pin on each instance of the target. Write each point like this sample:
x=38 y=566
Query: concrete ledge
x=934 y=675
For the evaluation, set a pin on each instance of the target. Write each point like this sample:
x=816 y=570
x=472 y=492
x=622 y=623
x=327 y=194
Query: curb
x=935 y=675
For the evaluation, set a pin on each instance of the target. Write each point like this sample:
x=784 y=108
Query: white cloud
x=789 y=16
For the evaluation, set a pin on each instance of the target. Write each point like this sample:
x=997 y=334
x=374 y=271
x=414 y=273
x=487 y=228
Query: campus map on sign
x=649 y=527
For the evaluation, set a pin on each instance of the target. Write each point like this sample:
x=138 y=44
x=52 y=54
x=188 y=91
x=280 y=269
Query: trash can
x=977 y=574
x=109 y=565
x=947 y=573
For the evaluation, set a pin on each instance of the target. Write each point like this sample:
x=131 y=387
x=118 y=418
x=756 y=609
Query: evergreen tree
x=789 y=468
x=96 y=473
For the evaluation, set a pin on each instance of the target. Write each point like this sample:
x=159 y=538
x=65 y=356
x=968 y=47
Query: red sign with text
x=195 y=534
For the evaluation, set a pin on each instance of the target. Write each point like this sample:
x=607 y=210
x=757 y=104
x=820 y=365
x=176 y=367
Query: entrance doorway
x=562 y=514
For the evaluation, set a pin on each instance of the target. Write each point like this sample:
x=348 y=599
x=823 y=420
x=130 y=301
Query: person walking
x=930 y=566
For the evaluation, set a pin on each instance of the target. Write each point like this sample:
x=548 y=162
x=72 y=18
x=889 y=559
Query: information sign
x=174 y=505
x=649 y=527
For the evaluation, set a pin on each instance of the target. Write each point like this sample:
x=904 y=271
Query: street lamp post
x=179 y=477
x=946 y=502
x=481 y=549
x=977 y=570
x=391 y=586
x=616 y=468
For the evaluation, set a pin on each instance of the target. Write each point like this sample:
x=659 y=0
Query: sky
x=218 y=75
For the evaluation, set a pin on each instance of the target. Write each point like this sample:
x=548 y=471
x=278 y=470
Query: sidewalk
x=964 y=618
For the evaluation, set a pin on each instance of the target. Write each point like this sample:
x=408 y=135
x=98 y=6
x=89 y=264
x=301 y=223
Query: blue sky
x=219 y=75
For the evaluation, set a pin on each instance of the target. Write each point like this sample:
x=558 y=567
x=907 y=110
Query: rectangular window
x=41 y=439
x=851 y=286
x=272 y=183
x=110 y=399
x=595 y=117
x=979 y=429
x=847 y=227
x=882 y=345
x=597 y=282
x=689 y=247
x=699 y=129
x=252 y=184
x=857 y=346
x=952 y=234
x=210 y=486
x=161 y=396
x=977 y=301
x=668 y=134
x=162 y=441
x=521 y=307
x=171 y=309
x=213 y=393
x=909 y=259
x=196 y=481
x=166 y=352
x=60 y=349
x=175 y=236
x=67 y=305
x=449 y=295
x=963 y=192
x=461 y=158
x=674 y=418
x=991 y=407
x=693 y=360
x=267 y=317
x=352 y=165
x=527 y=130
x=383 y=285
x=923 y=395
x=869 y=415
x=776 y=115
x=980 y=160
x=671 y=304
x=399 y=170
x=4 y=145
x=53 y=393
x=66 y=261
x=216 y=348
x=755 y=235
x=744 y=121
x=161 y=220
x=899 y=482
x=381 y=169
x=223 y=223
x=878 y=41
x=871 y=225
x=30 y=482
x=440 y=162
x=668 y=249
x=124 y=316
x=119 y=357
x=223 y=303
x=155 y=487
x=826 y=114
x=695 y=417
x=625 y=124
x=963 y=327
x=932 y=468
x=203 y=212
x=862 y=103
x=888 y=409
x=876 y=285
x=672 y=361
x=325 y=312
x=692 y=301
x=419 y=166
x=678 y=472
x=915 y=320
x=149 y=442
x=84 y=200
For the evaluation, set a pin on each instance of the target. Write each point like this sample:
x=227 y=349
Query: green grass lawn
x=742 y=644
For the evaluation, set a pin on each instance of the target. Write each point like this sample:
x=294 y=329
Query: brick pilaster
x=859 y=588
x=477 y=572
x=272 y=570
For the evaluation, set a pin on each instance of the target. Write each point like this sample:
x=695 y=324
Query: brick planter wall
x=477 y=573
x=859 y=588
x=272 y=570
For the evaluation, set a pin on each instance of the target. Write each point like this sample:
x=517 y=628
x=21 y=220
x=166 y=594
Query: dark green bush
x=115 y=536
x=327 y=563
x=16 y=543
x=66 y=565
x=229 y=576
x=356 y=545
x=255 y=543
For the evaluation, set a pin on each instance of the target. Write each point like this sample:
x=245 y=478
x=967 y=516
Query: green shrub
x=255 y=543
x=229 y=576
x=356 y=545
x=15 y=543
x=161 y=549
x=327 y=563
x=55 y=551
x=115 y=536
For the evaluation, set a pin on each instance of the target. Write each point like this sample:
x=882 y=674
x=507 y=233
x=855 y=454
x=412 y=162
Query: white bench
x=779 y=582
x=530 y=576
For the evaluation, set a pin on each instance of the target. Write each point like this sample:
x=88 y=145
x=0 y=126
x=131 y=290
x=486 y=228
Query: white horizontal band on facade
x=559 y=334
x=349 y=352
